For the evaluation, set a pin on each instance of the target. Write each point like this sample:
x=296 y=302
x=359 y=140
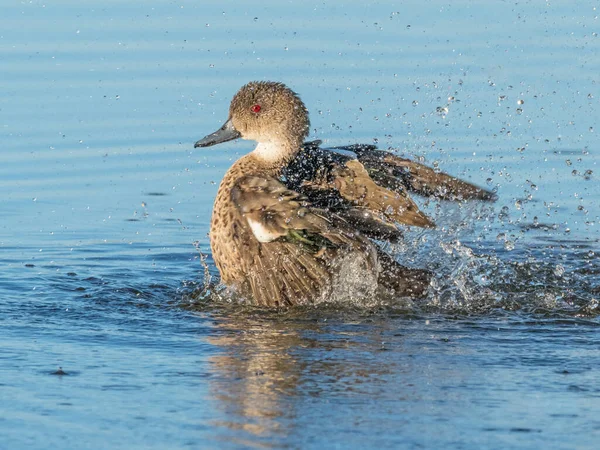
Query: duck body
x=274 y=248
x=294 y=223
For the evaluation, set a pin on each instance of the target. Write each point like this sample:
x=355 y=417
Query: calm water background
x=105 y=209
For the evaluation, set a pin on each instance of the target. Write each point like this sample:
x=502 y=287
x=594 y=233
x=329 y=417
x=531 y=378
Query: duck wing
x=297 y=242
x=397 y=173
x=273 y=212
x=341 y=183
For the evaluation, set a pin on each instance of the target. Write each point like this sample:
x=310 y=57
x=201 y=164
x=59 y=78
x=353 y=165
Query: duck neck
x=275 y=155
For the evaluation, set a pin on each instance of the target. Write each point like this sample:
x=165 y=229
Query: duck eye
x=255 y=109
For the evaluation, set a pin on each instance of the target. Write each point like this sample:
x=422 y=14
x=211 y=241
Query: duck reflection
x=267 y=363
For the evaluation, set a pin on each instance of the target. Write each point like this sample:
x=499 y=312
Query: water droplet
x=509 y=245
x=447 y=247
x=415 y=103
x=568 y=162
x=520 y=101
x=503 y=213
x=442 y=110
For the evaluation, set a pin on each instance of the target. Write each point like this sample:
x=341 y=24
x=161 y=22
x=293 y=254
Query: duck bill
x=226 y=133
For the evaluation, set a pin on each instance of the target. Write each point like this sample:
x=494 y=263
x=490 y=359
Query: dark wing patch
x=339 y=183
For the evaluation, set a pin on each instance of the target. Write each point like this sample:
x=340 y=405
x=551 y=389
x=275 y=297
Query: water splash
x=527 y=268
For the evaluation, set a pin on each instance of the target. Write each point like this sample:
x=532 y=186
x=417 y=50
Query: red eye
x=255 y=109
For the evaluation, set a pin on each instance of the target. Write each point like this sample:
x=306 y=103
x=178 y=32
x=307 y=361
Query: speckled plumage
x=292 y=223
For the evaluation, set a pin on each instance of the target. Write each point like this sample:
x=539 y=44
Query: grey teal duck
x=294 y=223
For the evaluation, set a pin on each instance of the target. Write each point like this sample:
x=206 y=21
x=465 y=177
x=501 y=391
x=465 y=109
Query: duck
x=294 y=223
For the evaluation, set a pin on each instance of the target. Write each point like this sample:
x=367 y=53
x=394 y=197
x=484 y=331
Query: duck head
x=266 y=112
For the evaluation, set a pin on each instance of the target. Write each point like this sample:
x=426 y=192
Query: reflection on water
x=287 y=378
x=258 y=374
x=269 y=363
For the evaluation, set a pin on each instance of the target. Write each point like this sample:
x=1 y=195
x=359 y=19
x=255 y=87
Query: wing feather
x=296 y=242
x=396 y=173
x=354 y=183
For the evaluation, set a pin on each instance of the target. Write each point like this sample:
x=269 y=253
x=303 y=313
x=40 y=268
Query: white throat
x=270 y=151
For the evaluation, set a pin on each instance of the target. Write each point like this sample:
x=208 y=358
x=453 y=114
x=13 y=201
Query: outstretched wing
x=370 y=189
x=354 y=184
x=397 y=174
x=298 y=243
x=341 y=183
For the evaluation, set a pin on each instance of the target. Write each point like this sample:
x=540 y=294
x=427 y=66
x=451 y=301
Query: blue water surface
x=108 y=338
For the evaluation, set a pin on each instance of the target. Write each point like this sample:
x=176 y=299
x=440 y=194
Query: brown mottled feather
x=284 y=271
x=372 y=192
x=354 y=183
x=398 y=173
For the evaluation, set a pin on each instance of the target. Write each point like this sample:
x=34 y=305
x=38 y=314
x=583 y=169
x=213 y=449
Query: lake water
x=107 y=336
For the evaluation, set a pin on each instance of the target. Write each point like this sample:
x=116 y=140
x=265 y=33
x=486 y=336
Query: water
x=105 y=212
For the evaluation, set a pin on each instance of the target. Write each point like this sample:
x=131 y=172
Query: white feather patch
x=261 y=233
